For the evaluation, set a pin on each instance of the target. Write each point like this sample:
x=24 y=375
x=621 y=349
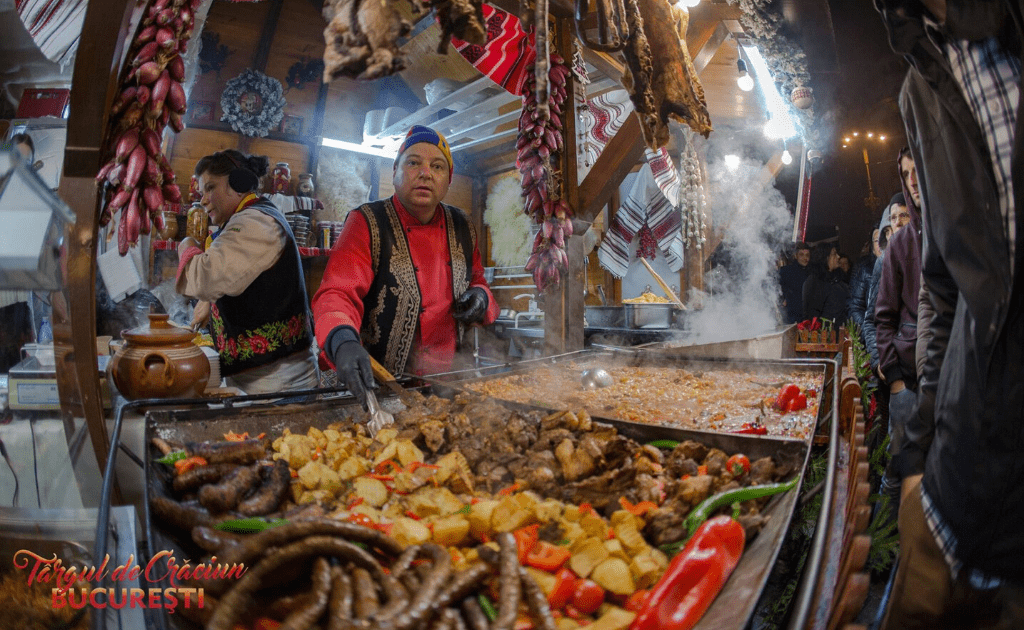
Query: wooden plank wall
x=295 y=37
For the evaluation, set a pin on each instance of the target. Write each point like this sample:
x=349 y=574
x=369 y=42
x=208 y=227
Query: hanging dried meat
x=662 y=81
x=362 y=35
x=362 y=39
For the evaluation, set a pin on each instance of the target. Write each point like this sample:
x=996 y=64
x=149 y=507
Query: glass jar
x=281 y=178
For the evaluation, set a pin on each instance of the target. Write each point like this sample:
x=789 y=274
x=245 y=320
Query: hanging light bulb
x=689 y=4
x=745 y=81
x=787 y=159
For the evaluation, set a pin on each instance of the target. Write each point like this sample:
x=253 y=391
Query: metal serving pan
x=732 y=609
x=655 y=357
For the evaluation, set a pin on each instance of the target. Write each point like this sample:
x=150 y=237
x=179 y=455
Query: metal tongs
x=378 y=417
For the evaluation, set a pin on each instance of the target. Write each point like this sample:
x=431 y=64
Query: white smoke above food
x=741 y=297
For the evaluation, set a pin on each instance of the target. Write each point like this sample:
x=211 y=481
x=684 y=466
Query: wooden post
x=563 y=304
x=95 y=82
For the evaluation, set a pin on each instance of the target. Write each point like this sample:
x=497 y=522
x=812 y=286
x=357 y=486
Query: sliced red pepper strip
x=750 y=429
x=184 y=465
x=638 y=509
x=231 y=436
x=382 y=468
x=526 y=538
x=266 y=623
x=546 y=556
x=694 y=577
x=504 y=492
x=414 y=466
x=354 y=503
x=412 y=515
x=381 y=477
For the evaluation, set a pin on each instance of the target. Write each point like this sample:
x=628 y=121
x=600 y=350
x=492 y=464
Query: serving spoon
x=595 y=378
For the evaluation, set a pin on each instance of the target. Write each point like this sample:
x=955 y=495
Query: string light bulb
x=744 y=81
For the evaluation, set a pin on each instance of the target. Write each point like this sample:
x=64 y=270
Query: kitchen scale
x=32 y=383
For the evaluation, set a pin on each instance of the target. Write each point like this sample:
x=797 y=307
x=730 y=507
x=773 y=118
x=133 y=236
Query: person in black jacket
x=961 y=515
x=825 y=291
x=791 y=280
x=860 y=282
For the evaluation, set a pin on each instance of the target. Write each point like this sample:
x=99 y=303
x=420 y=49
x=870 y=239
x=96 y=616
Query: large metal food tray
x=732 y=609
x=648 y=357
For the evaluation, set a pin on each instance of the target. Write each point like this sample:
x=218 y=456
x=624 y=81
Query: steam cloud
x=742 y=295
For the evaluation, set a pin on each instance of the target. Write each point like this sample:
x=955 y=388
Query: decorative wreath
x=253 y=103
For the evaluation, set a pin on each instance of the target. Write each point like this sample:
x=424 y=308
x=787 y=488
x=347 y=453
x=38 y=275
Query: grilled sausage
x=234 y=602
x=365 y=602
x=464 y=583
x=214 y=540
x=240 y=452
x=256 y=545
x=270 y=495
x=474 y=615
x=508 y=588
x=537 y=602
x=201 y=475
x=339 y=607
x=181 y=516
x=225 y=495
x=421 y=605
x=307 y=615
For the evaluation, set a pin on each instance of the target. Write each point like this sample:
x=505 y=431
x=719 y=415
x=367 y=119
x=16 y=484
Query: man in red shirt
x=405 y=277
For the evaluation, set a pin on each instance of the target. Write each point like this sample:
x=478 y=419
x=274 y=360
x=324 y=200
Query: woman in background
x=249 y=280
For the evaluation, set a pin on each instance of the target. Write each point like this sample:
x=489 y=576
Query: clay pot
x=159 y=361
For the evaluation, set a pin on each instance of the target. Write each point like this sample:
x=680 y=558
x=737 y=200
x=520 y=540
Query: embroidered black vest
x=269 y=320
x=391 y=308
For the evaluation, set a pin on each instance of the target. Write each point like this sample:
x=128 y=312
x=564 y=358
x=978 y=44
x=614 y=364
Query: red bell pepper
x=797 y=403
x=694 y=577
x=587 y=597
x=182 y=466
x=788 y=393
x=526 y=538
x=565 y=585
x=752 y=429
x=544 y=555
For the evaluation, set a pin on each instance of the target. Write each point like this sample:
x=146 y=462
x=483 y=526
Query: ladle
x=595 y=378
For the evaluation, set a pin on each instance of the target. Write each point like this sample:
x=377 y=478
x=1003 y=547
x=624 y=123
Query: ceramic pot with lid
x=159 y=361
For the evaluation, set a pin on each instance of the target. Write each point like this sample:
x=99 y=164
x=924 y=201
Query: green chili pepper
x=248 y=525
x=664 y=443
x=733 y=497
x=487 y=606
x=172 y=457
x=466 y=509
x=709 y=505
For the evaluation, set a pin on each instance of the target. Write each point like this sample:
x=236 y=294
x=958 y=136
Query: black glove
x=471 y=306
x=351 y=361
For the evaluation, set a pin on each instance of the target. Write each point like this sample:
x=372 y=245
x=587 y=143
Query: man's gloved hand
x=351 y=361
x=471 y=306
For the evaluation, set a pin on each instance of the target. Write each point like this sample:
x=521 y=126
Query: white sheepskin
x=510 y=227
x=341 y=183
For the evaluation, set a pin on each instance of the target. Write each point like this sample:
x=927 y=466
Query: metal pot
x=604 y=316
x=649 y=315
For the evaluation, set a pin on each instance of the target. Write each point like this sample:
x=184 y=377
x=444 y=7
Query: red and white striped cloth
x=54 y=26
x=506 y=55
x=646 y=205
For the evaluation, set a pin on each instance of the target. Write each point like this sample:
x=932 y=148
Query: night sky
x=856 y=91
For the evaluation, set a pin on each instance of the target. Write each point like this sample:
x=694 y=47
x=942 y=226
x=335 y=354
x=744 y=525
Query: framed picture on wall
x=201 y=111
x=291 y=125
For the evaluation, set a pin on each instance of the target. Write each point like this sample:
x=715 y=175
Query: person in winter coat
x=860 y=282
x=896 y=317
x=961 y=517
x=791 y=280
x=825 y=291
